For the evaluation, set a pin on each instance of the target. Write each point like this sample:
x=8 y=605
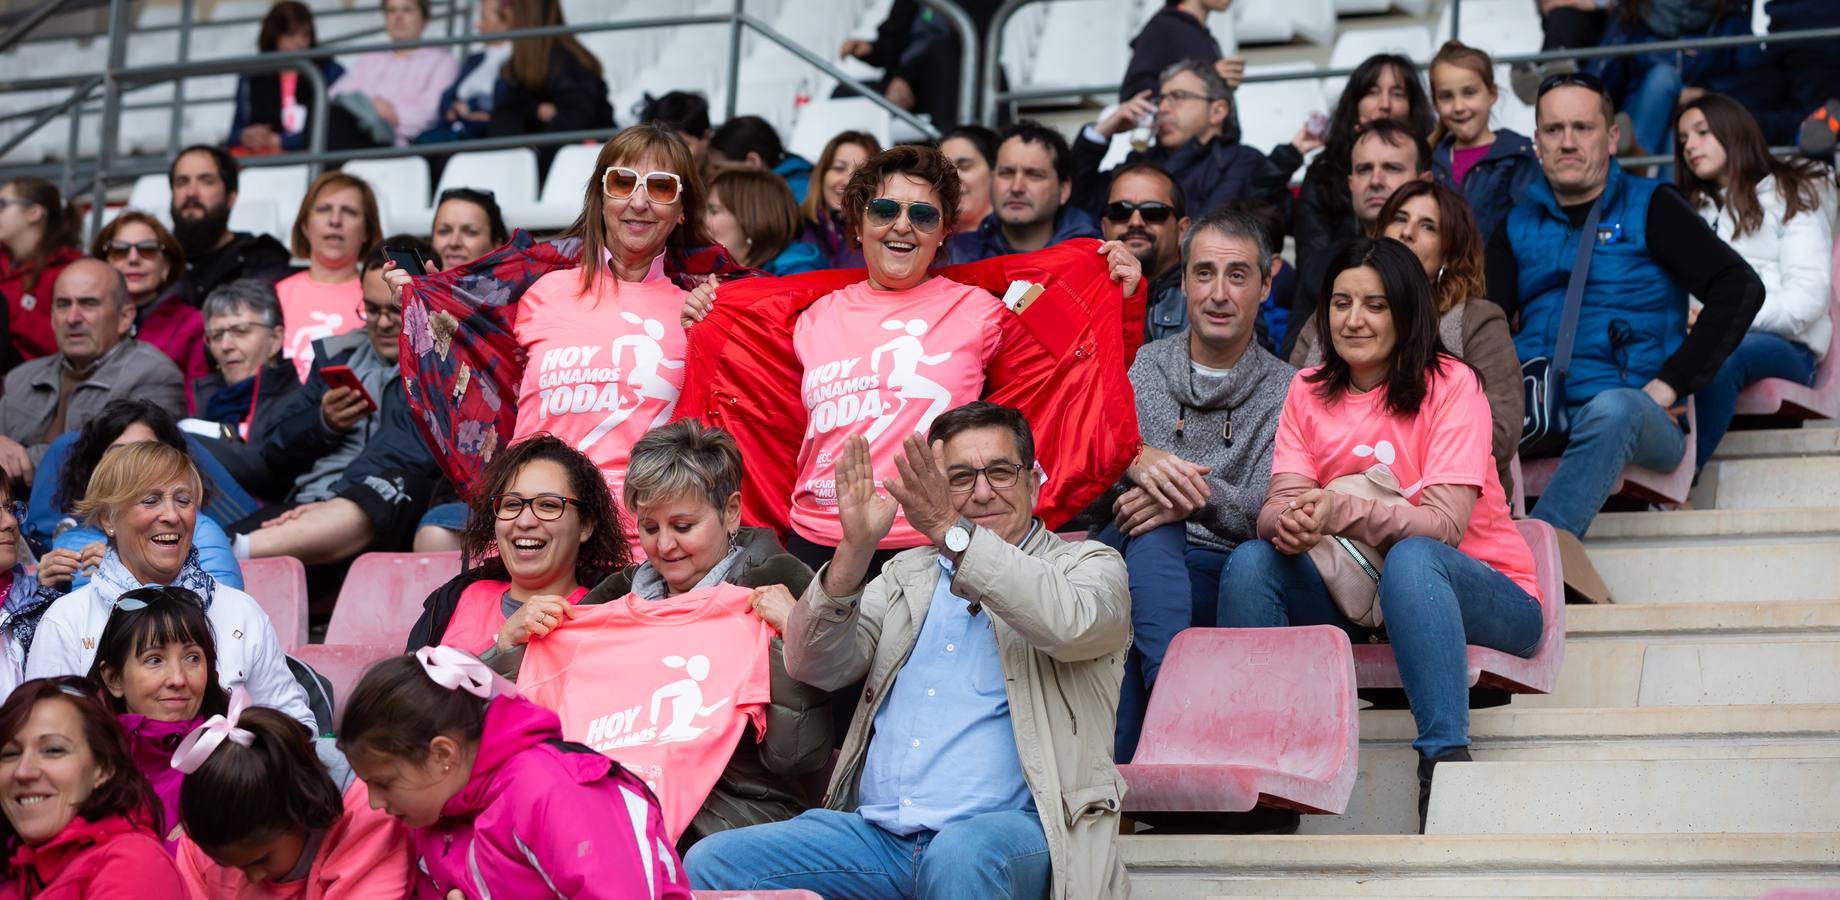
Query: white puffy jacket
x=1794 y=259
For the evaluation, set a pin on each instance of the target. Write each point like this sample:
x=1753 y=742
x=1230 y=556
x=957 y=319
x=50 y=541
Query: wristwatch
x=958 y=537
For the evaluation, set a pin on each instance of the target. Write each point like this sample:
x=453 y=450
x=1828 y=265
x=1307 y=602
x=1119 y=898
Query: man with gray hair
x=243 y=330
x=1194 y=138
x=97 y=361
x=1208 y=399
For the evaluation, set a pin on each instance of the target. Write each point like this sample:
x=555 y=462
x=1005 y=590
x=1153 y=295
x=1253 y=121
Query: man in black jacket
x=203 y=179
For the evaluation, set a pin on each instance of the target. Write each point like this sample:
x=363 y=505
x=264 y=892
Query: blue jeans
x=839 y=854
x=1617 y=427
x=1650 y=105
x=1435 y=599
x=1161 y=606
x=1760 y=355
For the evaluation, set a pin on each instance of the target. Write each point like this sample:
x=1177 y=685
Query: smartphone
x=407 y=260
x=344 y=377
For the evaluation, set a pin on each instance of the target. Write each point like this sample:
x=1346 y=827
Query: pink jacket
x=152 y=743
x=113 y=859
x=364 y=856
x=540 y=818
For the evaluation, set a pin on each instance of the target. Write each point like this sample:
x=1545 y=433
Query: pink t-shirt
x=883 y=364
x=1462 y=159
x=665 y=687
x=365 y=855
x=603 y=368
x=313 y=310
x=1446 y=443
x=480 y=615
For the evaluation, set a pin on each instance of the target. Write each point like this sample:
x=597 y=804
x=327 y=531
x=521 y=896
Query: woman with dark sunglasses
x=152 y=263
x=545 y=530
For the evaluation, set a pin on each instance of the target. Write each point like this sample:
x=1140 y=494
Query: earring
x=733 y=540
x=1440 y=274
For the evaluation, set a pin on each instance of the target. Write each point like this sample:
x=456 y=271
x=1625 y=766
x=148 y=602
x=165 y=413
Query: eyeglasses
x=1154 y=213
x=998 y=475
x=15 y=508
x=546 y=507
x=1584 y=80
x=1181 y=97
x=6 y=202
x=884 y=212
x=371 y=312
x=119 y=250
x=619 y=183
x=239 y=331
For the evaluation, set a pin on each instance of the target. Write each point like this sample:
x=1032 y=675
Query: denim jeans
x=1760 y=355
x=839 y=854
x=1161 y=606
x=1615 y=428
x=1435 y=599
x=1204 y=567
x=1650 y=104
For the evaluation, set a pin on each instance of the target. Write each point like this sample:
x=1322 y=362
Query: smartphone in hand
x=344 y=377
x=407 y=260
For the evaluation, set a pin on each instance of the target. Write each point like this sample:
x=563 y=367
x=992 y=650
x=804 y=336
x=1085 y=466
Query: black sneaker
x=1426 y=766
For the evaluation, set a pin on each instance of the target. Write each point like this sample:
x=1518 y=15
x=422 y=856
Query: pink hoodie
x=541 y=819
x=364 y=856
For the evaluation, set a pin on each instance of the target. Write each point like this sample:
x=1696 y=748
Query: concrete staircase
x=1692 y=748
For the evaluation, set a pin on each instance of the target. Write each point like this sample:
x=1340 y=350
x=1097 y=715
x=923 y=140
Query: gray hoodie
x=1251 y=396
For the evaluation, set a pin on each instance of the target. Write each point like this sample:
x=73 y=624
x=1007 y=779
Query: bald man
x=97 y=361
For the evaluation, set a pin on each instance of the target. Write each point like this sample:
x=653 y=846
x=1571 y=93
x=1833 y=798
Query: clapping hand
x=921 y=488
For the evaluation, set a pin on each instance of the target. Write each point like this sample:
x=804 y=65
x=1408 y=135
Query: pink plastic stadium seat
x=755 y=895
x=1643 y=484
x=1243 y=717
x=279 y=584
x=1375 y=667
x=1777 y=397
x=383 y=593
x=343 y=665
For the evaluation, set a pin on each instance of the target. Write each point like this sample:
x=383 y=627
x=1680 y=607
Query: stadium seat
x=1375 y=666
x=343 y=665
x=401 y=185
x=259 y=215
x=1361 y=7
x=279 y=584
x=383 y=593
x=821 y=120
x=285 y=187
x=1499 y=27
x=511 y=176
x=1281 y=21
x=1243 y=717
x=1779 y=397
x=569 y=174
x=1083 y=42
x=1270 y=112
x=152 y=194
x=1352 y=47
x=1637 y=482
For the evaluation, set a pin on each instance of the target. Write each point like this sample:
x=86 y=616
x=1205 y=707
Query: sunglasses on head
x=1154 y=213
x=1584 y=80
x=141 y=598
x=884 y=212
x=119 y=250
x=619 y=183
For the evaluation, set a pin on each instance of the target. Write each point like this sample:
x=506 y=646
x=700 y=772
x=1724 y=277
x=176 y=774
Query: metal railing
x=119 y=78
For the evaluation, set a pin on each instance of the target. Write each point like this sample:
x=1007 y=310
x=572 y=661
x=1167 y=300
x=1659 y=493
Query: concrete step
x=1720 y=865
x=1714 y=523
x=1778 y=442
x=1720 y=571
x=1385 y=799
x=1700 y=622
x=1681 y=673
x=1794 y=481
x=1642 y=796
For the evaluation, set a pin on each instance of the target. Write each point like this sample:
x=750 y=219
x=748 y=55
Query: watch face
x=958 y=538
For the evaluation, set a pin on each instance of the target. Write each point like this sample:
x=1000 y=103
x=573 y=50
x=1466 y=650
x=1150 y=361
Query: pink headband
x=198 y=746
x=462 y=671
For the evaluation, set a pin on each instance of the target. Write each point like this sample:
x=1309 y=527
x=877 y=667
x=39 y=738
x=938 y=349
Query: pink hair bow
x=459 y=670
x=198 y=746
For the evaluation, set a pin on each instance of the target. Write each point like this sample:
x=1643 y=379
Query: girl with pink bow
x=496 y=802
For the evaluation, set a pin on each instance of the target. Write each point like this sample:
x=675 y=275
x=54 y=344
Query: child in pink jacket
x=497 y=804
x=304 y=839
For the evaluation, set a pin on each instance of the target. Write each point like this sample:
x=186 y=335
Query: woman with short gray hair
x=243 y=330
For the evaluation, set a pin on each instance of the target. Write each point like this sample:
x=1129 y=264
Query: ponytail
x=279 y=765
x=62 y=226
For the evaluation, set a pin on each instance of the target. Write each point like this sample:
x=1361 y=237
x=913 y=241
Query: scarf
x=649 y=585
x=26 y=602
x=112 y=578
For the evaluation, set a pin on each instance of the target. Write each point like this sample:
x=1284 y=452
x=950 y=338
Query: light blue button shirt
x=943 y=748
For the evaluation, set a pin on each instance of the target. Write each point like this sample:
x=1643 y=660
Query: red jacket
x=177 y=328
x=113 y=859
x=30 y=320
x=1064 y=363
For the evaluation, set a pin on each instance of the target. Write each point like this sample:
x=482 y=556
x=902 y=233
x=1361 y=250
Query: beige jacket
x=1062 y=614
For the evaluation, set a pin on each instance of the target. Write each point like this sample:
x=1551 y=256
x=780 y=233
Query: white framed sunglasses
x=619 y=183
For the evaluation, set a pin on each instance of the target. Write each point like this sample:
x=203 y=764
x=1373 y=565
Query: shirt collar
x=655 y=273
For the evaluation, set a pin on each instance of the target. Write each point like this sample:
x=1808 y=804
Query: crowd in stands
x=756 y=468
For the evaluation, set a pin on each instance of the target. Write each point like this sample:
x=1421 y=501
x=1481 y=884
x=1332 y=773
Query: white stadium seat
x=280 y=188
x=152 y=194
x=1271 y=112
x=1280 y=21
x=822 y=119
x=511 y=176
x=1352 y=47
x=569 y=174
x=401 y=186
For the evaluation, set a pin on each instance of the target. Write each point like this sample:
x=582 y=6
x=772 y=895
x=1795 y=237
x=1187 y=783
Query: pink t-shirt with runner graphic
x=1446 y=443
x=665 y=687
x=603 y=367
x=480 y=615
x=313 y=310
x=883 y=364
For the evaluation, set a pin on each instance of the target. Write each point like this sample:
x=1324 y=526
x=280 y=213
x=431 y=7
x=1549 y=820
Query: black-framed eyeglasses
x=17 y=508
x=1572 y=79
x=1154 y=212
x=998 y=475
x=1180 y=97
x=546 y=507
x=144 y=597
x=369 y=311
x=884 y=212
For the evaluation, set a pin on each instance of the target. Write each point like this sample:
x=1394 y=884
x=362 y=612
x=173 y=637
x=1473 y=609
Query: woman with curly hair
x=542 y=525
